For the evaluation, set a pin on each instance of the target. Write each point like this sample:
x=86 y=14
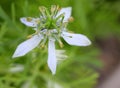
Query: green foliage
x=94 y=18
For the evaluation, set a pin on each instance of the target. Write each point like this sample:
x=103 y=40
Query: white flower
x=50 y=27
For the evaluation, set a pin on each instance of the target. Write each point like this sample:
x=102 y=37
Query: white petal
x=27 y=46
x=67 y=12
x=52 y=62
x=28 y=21
x=76 y=39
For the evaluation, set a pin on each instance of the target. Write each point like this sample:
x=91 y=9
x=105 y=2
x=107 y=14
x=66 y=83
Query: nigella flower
x=50 y=26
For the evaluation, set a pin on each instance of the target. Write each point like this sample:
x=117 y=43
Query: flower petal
x=27 y=46
x=67 y=12
x=52 y=62
x=76 y=39
x=28 y=21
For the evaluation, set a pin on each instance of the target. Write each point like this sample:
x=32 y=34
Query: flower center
x=49 y=18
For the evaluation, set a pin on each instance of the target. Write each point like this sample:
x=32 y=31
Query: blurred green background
x=93 y=18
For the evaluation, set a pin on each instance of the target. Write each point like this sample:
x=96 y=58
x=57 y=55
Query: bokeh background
x=93 y=66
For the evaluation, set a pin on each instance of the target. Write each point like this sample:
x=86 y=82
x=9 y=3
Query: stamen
x=53 y=8
x=42 y=10
x=59 y=41
x=71 y=19
x=68 y=36
x=56 y=10
x=29 y=36
x=37 y=21
x=61 y=44
x=43 y=42
x=29 y=19
x=60 y=16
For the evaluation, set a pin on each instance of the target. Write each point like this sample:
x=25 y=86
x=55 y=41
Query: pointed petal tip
x=27 y=46
x=22 y=19
x=52 y=69
x=13 y=57
x=16 y=55
x=76 y=39
x=53 y=73
x=87 y=42
x=52 y=62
